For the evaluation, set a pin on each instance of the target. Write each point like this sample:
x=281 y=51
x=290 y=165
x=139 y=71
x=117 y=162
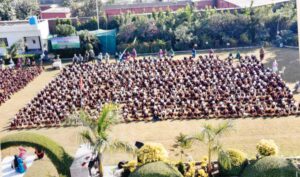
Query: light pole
x=97 y=9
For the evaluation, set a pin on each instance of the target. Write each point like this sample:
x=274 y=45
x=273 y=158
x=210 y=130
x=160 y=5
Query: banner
x=69 y=42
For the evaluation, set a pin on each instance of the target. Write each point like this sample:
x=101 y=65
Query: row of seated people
x=162 y=89
x=13 y=80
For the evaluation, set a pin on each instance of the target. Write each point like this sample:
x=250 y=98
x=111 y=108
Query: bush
x=61 y=160
x=271 y=167
x=65 y=30
x=267 y=148
x=156 y=169
x=151 y=152
x=238 y=162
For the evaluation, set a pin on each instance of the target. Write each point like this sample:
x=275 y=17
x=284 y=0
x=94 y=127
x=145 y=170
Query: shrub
x=65 y=30
x=61 y=160
x=271 y=167
x=152 y=152
x=156 y=169
x=267 y=148
x=238 y=161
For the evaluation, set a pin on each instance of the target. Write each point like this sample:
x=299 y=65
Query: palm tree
x=210 y=135
x=182 y=142
x=97 y=134
x=13 y=50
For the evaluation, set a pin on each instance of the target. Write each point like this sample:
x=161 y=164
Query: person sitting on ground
x=39 y=153
x=22 y=152
x=19 y=165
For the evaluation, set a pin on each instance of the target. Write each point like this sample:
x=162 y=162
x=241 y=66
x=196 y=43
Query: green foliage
x=85 y=8
x=156 y=169
x=63 y=21
x=61 y=160
x=271 y=167
x=210 y=28
x=7 y=11
x=12 y=52
x=65 y=30
x=238 y=161
x=181 y=168
x=267 y=148
x=26 y=8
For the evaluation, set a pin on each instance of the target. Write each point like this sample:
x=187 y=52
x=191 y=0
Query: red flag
x=81 y=83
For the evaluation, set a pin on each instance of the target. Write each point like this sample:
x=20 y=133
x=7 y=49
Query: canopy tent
x=107 y=38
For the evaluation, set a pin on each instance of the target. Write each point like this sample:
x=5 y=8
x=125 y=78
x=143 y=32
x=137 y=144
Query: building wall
x=55 y=15
x=224 y=4
x=16 y=32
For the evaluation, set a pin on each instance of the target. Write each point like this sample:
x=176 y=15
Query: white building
x=34 y=36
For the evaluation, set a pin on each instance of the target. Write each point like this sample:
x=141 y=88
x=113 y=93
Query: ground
x=284 y=131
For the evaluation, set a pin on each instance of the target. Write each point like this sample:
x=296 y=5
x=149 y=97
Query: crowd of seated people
x=160 y=89
x=13 y=80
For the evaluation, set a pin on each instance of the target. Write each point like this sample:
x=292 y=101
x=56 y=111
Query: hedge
x=58 y=156
x=271 y=166
x=156 y=169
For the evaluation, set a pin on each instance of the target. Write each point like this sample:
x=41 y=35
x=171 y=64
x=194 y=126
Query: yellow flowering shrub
x=267 y=148
x=202 y=173
x=191 y=169
x=131 y=165
x=152 y=152
x=204 y=162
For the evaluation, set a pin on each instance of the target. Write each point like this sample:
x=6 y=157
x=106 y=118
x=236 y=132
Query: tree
x=7 y=11
x=210 y=136
x=13 y=50
x=86 y=8
x=182 y=142
x=25 y=8
x=98 y=130
x=65 y=30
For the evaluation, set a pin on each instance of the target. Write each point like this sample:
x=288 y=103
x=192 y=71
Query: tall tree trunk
x=101 y=173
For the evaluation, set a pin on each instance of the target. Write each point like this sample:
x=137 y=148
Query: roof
x=247 y=3
x=16 y=22
x=57 y=10
x=144 y=5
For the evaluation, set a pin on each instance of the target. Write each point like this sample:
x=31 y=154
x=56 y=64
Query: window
x=3 y=41
x=33 y=41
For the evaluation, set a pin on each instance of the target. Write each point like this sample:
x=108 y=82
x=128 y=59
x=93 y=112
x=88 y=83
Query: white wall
x=15 y=32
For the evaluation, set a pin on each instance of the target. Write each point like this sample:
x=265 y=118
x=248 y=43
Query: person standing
x=75 y=59
x=99 y=58
x=194 y=52
x=1 y=63
x=275 y=66
x=261 y=53
x=134 y=53
x=107 y=57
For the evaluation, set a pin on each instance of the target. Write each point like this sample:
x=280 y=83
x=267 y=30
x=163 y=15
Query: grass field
x=285 y=131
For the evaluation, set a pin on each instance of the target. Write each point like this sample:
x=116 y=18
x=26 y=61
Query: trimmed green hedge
x=271 y=167
x=156 y=169
x=61 y=160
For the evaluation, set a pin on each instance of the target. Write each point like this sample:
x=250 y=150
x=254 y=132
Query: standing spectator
x=99 y=58
x=275 y=66
x=172 y=53
x=75 y=59
x=107 y=57
x=134 y=53
x=86 y=56
x=11 y=63
x=261 y=53
x=160 y=54
x=92 y=55
x=194 y=52
x=211 y=53
x=238 y=55
x=1 y=63
x=39 y=153
x=80 y=58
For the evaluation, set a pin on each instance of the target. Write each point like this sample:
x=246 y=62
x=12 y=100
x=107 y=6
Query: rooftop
x=57 y=10
x=247 y=3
